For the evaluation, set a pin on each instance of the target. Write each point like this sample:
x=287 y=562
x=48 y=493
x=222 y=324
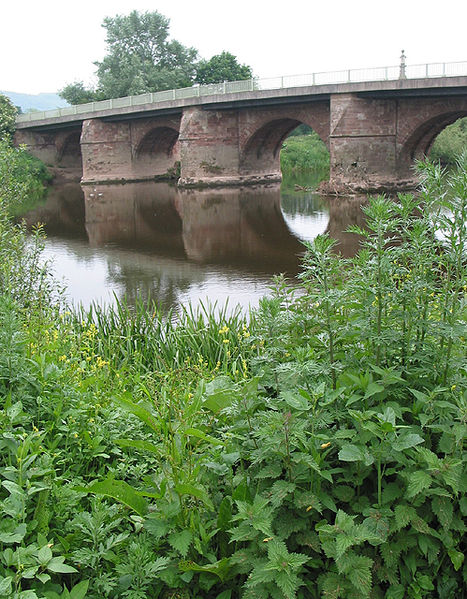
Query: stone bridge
x=374 y=131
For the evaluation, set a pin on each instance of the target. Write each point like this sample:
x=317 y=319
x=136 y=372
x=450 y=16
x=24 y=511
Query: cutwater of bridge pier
x=225 y=135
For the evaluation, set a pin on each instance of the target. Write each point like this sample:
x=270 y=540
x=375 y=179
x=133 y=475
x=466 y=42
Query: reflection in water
x=151 y=240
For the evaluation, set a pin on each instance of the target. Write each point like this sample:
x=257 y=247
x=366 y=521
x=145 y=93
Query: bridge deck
x=259 y=93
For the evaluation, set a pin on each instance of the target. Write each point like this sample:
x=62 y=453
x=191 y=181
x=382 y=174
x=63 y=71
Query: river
x=154 y=241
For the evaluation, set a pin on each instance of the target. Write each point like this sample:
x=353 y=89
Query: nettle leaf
x=429 y=546
x=351 y=453
x=390 y=552
x=457 y=558
x=181 y=541
x=343 y=542
x=287 y=523
x=391 y=491
x=259 y=574
x=359 y=573
x=307 y=501
x=403 y=515
x=344 y=493
x=308 y=538
x=406 y=441
x=442 y=507
x=463 y=506
x=272 y=470
x=418 y=481
x=334 y=586
x=452 y=476
x=288 y=583
x=156 y=526
x=279 y=491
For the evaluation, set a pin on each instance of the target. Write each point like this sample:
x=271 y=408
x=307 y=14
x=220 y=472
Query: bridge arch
x=262 y=150
x=263 y=133
x=69 y=150
x=416 y=140
x=157 y=151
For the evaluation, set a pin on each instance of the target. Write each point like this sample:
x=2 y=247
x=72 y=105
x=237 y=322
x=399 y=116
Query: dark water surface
x=152 y=240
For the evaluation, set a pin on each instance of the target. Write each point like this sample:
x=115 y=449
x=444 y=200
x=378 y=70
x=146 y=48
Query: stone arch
x=262 y=151
x=69 y=150
x=262 y=133
x=157 y=151
x=160 y=140
x=415 y=142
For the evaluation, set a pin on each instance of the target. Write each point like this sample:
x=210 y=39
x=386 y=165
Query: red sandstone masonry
x=236 y=138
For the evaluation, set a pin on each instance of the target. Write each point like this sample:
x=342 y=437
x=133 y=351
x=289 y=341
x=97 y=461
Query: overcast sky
x=46 y=45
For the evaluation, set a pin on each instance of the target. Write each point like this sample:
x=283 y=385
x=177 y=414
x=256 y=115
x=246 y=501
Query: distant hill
x=29 y=102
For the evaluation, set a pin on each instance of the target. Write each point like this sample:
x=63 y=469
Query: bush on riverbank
x=304 y=153
x=450 y=143
x=317 y=450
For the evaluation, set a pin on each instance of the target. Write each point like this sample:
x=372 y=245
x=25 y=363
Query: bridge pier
x=210 y=152
x=363 y=146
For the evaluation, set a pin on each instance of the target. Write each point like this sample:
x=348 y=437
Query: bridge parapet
x=321 y=82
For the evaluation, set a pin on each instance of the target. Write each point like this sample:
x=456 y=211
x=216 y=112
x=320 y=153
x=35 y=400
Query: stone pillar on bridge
x=209 y=152
x=106 y=151
x=363 y=148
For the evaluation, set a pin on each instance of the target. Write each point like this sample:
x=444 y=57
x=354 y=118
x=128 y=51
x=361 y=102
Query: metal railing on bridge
x=420 y=71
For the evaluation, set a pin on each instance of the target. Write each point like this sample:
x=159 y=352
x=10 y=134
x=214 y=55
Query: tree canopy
x=8 y=114
x=222 y=67
x=141 y=58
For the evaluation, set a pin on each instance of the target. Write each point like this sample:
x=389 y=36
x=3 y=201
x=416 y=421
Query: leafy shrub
x=317 y=450
x=450 y=143
x=304 y=153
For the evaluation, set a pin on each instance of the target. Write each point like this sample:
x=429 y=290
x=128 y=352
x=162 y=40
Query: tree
x=77 y=93
x=8 y=114
x=222 y=67
x=141 y=59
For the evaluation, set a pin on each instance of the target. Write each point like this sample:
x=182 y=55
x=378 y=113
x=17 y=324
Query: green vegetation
x=315 y=449
x=22 y=176
x=304 y=153
x=140 y=58
x=450 y=143
x=8 y=114
x=222 y=67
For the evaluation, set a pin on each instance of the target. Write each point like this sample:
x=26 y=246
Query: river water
x=154 y=241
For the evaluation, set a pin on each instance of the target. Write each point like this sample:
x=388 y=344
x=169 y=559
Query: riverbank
x=315 y=449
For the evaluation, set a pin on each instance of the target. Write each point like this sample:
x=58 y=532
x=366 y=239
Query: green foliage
x=222 y=67
x=302 y=153
x=141 y=58
x=8 y=114
x=77 y=93
x=315 y=450
x=450 y=143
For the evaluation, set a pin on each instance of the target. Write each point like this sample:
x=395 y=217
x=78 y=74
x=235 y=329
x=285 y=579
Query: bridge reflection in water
x=151 y=240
